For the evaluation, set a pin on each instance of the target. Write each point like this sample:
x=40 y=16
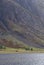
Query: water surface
x=22 y=59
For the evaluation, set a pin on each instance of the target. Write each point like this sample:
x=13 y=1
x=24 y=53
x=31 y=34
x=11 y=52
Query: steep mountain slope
x=23 y=20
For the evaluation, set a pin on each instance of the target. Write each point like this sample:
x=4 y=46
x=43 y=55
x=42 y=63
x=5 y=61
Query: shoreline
x=18 y=51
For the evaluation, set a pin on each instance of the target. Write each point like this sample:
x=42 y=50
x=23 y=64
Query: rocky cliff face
x=23 y=20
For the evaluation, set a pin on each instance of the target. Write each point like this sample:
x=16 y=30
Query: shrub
x=26 y=48
x=16 y=50
x=2 y=47
x=31 y=49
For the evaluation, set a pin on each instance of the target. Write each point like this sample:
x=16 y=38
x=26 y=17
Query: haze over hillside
x=22 y=21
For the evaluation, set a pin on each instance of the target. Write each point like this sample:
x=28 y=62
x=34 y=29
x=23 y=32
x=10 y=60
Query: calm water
x=21 y=59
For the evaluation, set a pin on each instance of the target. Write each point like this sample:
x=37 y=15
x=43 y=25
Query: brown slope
x=21 y=23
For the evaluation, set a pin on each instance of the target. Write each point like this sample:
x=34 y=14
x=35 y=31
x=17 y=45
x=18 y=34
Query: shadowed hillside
x=22 y=20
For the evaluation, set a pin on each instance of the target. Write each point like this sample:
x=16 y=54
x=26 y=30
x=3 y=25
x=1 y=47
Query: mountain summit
x=23 y=21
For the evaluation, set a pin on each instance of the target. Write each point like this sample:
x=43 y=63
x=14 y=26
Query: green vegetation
x=4 y=50
x=17 y=47
x=2 y=47
x=27 y=48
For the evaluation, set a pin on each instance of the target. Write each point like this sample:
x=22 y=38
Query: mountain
x=22 y=21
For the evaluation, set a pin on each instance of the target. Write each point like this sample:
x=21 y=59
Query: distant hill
x=22 y=21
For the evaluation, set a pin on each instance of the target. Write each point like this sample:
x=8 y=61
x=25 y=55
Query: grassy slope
x=15 y=50
x=26 y=49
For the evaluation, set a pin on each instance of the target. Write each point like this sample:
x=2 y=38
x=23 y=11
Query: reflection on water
x=21 y=59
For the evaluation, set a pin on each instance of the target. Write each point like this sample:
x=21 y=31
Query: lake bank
x=12 y=50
